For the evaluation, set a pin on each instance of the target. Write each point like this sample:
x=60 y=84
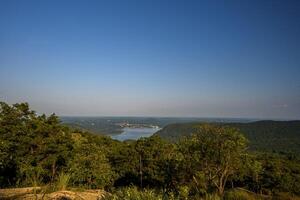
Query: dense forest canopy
x=213 y=160
x=272 y=136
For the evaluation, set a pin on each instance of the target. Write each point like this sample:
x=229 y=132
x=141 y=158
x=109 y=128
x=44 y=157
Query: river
x=134 y=133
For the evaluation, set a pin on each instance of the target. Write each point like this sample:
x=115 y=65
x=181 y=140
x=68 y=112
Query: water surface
x=134 y=133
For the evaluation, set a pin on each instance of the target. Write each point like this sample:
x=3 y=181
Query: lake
x=134 y=133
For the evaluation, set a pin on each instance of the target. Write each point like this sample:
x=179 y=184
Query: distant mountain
x=111 y=125
x=98 y=125
x=278 y=136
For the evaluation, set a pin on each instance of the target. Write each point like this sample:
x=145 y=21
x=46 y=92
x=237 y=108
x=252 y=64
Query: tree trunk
x=53 y=170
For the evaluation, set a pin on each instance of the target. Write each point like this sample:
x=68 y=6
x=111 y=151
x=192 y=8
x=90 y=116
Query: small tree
x=216 y=151
x=158 y=163
x=89 y=166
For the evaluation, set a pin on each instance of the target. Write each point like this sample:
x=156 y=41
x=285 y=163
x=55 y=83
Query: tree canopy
x=214 y=159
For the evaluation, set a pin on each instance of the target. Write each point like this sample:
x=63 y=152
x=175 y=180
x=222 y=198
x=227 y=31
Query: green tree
x=34 y=146
x=215 y=151
x=89 y=166
x=158 y=162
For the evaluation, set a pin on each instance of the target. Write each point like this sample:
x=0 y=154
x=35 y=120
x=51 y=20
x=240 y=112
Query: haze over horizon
x=232 y=58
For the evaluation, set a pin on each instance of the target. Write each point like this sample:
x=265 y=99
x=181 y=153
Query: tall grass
x=133 y=193
x=212 y=196
x=237 y=194
x=33 y=179
x=63 y=181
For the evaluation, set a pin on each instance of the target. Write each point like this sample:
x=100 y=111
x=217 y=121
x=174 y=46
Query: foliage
x=63 y=181
x=240 y=195
x=132 y=193
x=210 y=163
x=271 y=136
x=36 y=148
x=216 y=152
x=89 y=166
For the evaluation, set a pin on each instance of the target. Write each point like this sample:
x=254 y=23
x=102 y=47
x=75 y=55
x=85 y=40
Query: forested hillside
x=111 y=125
x=272 y=136
x=212 y=163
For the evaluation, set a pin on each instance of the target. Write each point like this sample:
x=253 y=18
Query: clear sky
x=152 y=58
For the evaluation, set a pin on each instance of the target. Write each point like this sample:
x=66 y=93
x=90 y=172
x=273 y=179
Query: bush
x=132 y=193
x=63 y=181
x=213 y=196
x=285 y=196
x=90 y=167
x=239 y=195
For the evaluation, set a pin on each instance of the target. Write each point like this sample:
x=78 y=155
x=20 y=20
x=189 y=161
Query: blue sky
x=152 y=58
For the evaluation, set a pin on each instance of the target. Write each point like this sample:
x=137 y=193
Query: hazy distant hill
x=263 y=135
x=109 y=125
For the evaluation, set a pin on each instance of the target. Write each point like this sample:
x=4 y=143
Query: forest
x=264 y=135
x=213 y=162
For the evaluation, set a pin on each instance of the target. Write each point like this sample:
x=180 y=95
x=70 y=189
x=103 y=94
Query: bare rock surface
x=31 y=193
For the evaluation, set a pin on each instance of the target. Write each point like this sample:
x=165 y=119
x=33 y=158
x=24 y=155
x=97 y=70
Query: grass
x=63 y=181
x=133 y=193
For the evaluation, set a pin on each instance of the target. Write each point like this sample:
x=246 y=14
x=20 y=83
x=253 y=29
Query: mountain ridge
x=264 y=135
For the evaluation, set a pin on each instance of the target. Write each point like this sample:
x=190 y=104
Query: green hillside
x=279 y=136
x=214 y=163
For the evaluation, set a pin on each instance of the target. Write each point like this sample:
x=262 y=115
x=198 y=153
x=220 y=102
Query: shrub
x=213 y=196
x=63 y=181
x=132 y=193
x=239 y=195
